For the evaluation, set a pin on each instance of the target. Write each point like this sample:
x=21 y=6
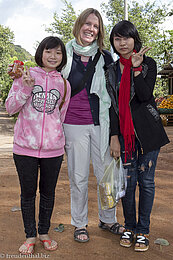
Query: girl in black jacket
x=137 y=132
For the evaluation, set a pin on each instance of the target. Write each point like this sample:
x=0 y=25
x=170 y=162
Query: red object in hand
x=18 y=62
x=15 y=72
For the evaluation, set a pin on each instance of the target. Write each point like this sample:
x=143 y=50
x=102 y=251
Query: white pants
x=82 y=145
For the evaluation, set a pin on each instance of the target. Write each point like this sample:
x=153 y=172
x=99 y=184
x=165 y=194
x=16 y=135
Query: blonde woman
x=86 y=124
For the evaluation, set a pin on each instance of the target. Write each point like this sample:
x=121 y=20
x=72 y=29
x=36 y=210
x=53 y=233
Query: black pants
x=27 y=168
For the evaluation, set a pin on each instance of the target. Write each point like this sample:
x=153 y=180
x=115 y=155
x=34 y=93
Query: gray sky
x=26 y=18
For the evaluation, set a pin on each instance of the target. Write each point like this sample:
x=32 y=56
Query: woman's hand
x=137 y=58
x=115 y=147
x=27 y=79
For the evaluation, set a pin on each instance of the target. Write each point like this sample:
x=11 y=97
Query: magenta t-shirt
x=79 y=111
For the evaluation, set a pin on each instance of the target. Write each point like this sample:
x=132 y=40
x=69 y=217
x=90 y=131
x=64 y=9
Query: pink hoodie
x=38 y=131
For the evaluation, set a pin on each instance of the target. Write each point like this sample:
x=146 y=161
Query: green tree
x=6 y=38
x=148 y=19
x=63 y=26
x=30 y=64
x=161 y=88
x=22 y=54
x=8 y=53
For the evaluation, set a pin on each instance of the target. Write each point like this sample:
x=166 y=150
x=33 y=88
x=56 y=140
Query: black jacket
x=76 y=74
x=146 y=119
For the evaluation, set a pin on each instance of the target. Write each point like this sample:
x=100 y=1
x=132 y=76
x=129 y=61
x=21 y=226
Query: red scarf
x=126 y=123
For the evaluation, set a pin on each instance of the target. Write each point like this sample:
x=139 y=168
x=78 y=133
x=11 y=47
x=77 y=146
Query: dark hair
x=126 y=29
x=50 y=42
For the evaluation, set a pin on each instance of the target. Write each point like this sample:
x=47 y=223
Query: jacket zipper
x=43 y=115
x=142 y=151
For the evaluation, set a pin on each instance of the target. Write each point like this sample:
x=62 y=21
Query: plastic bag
x=113 y=185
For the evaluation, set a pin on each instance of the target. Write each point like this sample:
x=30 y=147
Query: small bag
x=65 y=91
x=87 y=74
x=113 y=185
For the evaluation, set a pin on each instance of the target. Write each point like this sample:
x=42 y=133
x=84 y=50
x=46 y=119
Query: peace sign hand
x=137 y=58
x=27 y=79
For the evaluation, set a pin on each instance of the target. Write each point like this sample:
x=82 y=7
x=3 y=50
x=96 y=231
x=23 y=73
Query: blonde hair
x=80 y=22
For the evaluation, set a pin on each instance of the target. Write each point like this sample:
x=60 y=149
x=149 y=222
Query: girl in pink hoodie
x=41 y=97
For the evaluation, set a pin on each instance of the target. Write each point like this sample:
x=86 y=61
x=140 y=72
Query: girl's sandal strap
x=127 y=238
x=142 y=241
x=28 y=245
x=49 y=241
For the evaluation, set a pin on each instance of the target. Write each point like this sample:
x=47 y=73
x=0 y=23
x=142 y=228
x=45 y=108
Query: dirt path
x=102 y=244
